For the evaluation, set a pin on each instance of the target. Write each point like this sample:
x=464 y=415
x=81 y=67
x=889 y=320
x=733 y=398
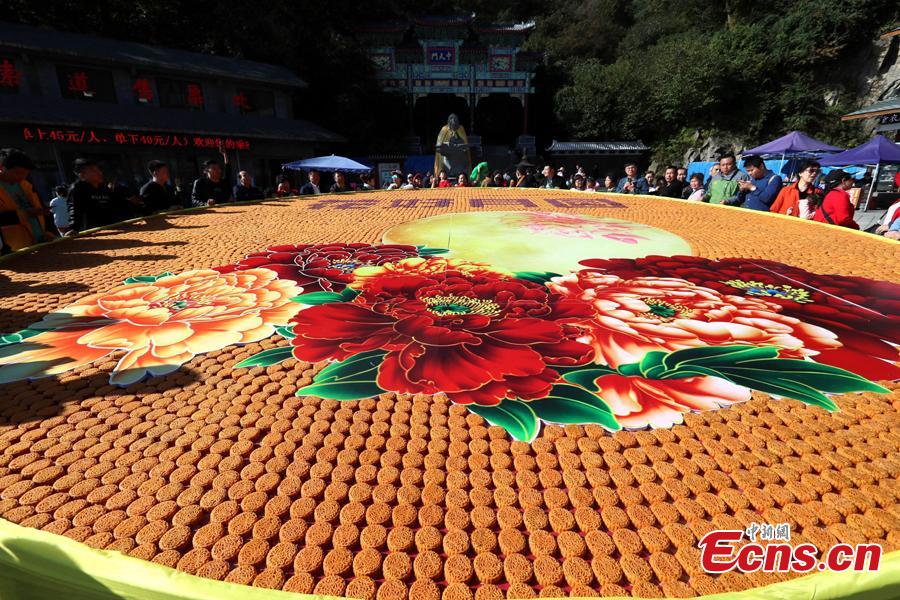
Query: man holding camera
x=631 y=183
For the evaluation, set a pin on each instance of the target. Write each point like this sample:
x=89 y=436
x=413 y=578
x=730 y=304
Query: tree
x=754 y=69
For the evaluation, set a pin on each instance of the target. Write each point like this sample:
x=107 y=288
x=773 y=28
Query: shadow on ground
x=28 y=401
x=82 y=253
x=36 y=570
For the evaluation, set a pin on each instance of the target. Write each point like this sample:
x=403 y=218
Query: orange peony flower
x=160 y=324
x=643 y=314
x=637 y=402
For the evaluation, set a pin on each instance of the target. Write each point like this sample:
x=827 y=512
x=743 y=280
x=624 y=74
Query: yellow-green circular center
x=664 y=311
x=461 y=305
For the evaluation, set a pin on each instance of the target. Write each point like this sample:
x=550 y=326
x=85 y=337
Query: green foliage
x=316 y=298
x=538 y=277
x=266 y=358
x=351 y=379
x=514 y=416
x=572 y=404
x=671 y=151
x=751 y=69
x=15 y=338
x=145 y=278
x=758 y=368
x=286 y=331
x=426 y=251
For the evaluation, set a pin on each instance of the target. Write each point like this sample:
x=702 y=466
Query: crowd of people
x=92 y=201
x=25 y=219
x=808 y=194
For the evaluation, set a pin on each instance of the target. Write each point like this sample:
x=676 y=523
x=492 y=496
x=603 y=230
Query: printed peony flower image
x=577 y=226
x=423 y=267
x=643 y=314
x=161 y=324
x=325 y=267
x=863 y=313
x=475 y=334
x=637 y=402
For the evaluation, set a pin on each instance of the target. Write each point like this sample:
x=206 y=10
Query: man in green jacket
x=723 y=187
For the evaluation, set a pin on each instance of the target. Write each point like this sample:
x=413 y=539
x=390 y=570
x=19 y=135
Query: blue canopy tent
x=874 y=153
x=328 y=164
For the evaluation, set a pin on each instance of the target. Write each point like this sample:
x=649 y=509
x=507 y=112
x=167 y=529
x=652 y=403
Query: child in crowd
x=59 y=206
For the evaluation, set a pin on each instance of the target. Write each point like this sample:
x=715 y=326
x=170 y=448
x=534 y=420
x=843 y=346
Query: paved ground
x=868 y=218
x=227 y=474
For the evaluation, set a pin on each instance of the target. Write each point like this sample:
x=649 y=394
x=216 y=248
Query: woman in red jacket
x=800 y=198
x=836 y=207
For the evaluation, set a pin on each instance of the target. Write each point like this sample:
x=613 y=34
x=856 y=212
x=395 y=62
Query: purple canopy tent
x=796 y=142
x=873 y=153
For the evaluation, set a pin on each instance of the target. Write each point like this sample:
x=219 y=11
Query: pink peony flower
x=637 y=402
x=643 y=314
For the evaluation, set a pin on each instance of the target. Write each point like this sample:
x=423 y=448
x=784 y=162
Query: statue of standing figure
x=451 y=153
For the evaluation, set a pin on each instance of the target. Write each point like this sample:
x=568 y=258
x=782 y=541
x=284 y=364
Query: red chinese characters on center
x=240 y=101
x=9 y=76
x=194 y=95
x=78 y=82
x=143 y=90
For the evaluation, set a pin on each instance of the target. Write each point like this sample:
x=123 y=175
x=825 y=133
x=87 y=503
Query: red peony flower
x=327 y=267
x=864 y=313
x=478 y=336
x=425 y=267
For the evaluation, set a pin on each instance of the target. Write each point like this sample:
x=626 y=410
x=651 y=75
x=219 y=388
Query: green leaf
x=10 y=338
x=351 y=379
x=425 y=251
x=266 y=358
x=141 y=279
x=316 y=298
x=630 y=370
x=689 y=371
x=147 y=278
x=788 y=389
x=711 y=356
x=572 y=404
x=820 y=376
x=759 y=368
x=18 y=336
x=286 y=331
x=348 y=294
x=586 y=377
x=514 y=416
x=652 y=364
x=539 y=277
